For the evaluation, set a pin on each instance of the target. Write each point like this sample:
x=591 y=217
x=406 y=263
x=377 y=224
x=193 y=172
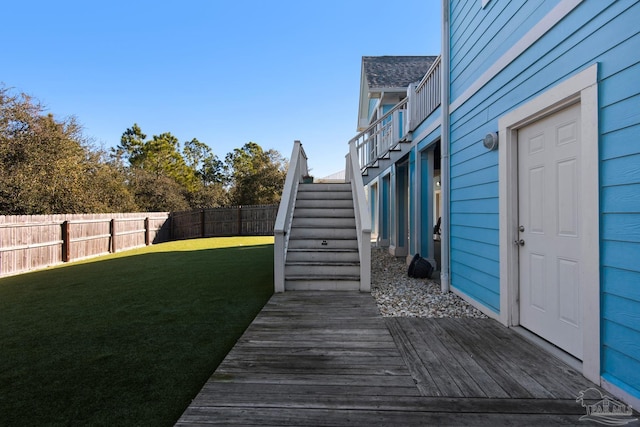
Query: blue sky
x=225 y=72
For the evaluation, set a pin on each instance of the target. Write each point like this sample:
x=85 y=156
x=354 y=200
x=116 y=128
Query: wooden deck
x=328 y=358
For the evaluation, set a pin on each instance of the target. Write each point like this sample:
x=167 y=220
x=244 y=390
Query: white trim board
x=534 y=34
x=425 y=133
x=581 y=88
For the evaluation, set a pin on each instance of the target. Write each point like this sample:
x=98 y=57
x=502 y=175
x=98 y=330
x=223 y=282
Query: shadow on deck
x=328 y=358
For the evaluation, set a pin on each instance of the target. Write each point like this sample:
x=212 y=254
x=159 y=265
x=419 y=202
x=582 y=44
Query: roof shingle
x=395 y=71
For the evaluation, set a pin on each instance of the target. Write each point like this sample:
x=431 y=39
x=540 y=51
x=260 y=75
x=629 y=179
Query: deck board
x=328 y=358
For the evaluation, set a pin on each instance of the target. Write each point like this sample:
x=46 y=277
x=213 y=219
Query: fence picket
x=29 y=242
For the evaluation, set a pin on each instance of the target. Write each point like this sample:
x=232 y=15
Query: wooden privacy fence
x=34 y=241
x=257 y=220
x=29 y=242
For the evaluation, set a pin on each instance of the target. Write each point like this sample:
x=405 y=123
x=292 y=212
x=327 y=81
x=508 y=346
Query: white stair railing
x=382 y=135
x=297 y=169
x=363 y=217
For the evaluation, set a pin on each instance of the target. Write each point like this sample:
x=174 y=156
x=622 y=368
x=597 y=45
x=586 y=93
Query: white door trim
x=581 y=88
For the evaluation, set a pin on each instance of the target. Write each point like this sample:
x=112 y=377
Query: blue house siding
x=620 y=208
x=480 y=36
x=602 y=32
x=413 y=182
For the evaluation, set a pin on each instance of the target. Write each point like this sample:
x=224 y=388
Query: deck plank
x=328 y=358
x=472 y=379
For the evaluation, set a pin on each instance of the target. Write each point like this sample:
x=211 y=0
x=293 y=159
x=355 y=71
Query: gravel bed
x=399 y=295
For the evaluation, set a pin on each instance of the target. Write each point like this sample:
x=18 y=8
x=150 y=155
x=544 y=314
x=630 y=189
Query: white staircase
x=322 y=252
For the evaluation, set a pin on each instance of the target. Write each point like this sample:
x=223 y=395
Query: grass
x=129 y=338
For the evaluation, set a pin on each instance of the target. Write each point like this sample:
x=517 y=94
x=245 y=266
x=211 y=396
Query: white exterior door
x=550 y=229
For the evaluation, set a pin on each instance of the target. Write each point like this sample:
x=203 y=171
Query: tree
x=155 y=193
x=131 y=145
x=256 y=176
x=47 y=165
x=201 y=159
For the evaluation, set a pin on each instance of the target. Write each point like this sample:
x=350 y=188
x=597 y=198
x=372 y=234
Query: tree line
x=48 y=165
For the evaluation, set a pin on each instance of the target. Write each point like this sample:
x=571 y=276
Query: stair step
x=322 y=244
x=303 y=284
x=323 y=222
x=326 y=256
x=323 y=212
x=324 y=195
x=323 y=233
x=346 y=187
x=323 y=255
x=321 y=270
x=324 y=203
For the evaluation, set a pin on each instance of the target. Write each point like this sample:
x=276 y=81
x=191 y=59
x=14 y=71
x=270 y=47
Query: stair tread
x=323 y=250
x=322 y=263
x=312 y=278
x=324 y=227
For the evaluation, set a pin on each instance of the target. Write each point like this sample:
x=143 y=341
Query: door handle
x=518 y=242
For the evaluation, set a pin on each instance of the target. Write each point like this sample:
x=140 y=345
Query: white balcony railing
x=395 y=126
x=426 y=97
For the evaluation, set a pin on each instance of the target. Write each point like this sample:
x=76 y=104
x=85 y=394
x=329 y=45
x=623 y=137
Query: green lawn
x=129 y=338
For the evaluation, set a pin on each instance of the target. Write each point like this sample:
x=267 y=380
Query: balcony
x=388 y=139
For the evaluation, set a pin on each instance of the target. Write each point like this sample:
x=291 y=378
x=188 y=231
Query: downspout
x=444 y=150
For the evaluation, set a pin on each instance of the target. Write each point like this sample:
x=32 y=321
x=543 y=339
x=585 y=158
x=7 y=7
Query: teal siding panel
x=475 y=206
x=488 y=36
x=623 y=255
x=621 y=227
x=625 y=369
x=550 y=61
x=480 y=176
x=479 y=263
x=621 y=338
x=611 y=91
x=620 y=57
x=481 y=191
x=474 y=152
x=422 y=127
x=490 y=252
x=620 y=115
x=616 y=144
x=426 y=204
x=482 y=161
x=620 y=171
x=384 y=208
x=488 y=221
x=485 y=296
x=623 y=283
x=413 y=182
x=474 y=233
x=372 y=108
x=622 y=311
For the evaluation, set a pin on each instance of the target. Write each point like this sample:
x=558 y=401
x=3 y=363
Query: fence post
x=202 y=225
x=240 y=220
x=66 y=242
x=147 y=232
x=112 y=231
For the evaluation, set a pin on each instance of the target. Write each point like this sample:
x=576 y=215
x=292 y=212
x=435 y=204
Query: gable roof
x=395 y=71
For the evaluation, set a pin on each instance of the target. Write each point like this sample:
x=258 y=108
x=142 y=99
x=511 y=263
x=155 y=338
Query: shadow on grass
x=127 y=340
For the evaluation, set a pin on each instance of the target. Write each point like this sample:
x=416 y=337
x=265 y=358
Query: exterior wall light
x=490 y=141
